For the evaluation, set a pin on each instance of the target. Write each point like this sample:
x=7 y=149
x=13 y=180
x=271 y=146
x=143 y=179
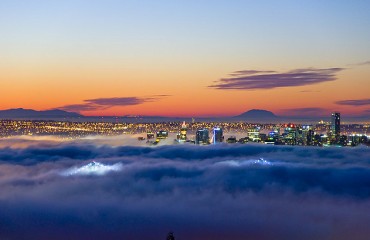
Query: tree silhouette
x=170 y=236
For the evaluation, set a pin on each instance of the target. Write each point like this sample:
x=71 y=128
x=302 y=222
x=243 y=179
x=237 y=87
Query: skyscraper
x=202 y=136
x=181 y=137
x=254 y=134
x=335 y=126
x=218 y=136
x=307 y=135
x=290 y=134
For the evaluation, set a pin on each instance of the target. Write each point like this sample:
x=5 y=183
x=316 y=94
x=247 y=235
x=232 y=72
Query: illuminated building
x=202 y=136
x=272 y=138
x=181 y=137
x=324 y=139
x=305 y=135
x=310 y=137
x=335 y=127
x=243 y=140
x=317 y=140
x=276 y=129
x=290 y=134
x=162 y=134
x=149 y=135
x=263 y=137
x=254 y=134
x=356 y=139
x=218 y=136
x=343 y=140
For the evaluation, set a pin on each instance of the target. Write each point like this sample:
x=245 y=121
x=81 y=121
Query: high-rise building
x=218 y=136
x=306 y=138
x=254 y=134
x=181 y=137
x=290 y=134
x=202 y=136
x=335 y=126
x=310 y=137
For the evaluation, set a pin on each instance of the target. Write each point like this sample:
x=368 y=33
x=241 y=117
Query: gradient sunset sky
x=185 y=57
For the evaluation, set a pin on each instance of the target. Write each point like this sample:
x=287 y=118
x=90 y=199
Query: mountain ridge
x=30 y=113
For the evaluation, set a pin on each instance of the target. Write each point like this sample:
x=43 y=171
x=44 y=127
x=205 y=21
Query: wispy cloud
x=120 y=101
x=81 y=107
x=309 y=91
x=364 y=63
x=360 y=63
x=354 y=102
x=253 y=79
x=105 y=103
x=312 y=111
x=249 y=72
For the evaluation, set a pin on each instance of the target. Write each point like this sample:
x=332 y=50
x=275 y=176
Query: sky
x=185 y=58
x=49 y=189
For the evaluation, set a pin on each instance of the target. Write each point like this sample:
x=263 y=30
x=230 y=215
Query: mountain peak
x=257 y=114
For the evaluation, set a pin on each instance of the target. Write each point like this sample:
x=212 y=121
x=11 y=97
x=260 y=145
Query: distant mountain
x=254 y=115
x=20 y=113
x=257 y=114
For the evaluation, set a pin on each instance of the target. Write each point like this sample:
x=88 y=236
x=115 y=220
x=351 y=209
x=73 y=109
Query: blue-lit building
x=272 y=138
x=218 y=135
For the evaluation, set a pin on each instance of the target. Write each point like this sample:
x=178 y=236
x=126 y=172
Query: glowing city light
x=93 y=168
x=234 y=163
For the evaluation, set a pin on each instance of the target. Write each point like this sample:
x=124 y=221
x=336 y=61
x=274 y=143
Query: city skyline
x=152 y=133
x=193 y=59
x=184 y=119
